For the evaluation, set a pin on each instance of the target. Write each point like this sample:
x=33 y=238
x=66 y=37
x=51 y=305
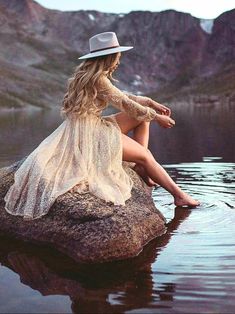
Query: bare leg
x=133 y=151
x=140 y=135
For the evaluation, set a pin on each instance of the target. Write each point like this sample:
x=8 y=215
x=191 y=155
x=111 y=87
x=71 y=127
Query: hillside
x=176 y=57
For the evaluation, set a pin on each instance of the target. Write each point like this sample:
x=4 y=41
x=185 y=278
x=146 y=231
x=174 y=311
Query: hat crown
x=103 y=41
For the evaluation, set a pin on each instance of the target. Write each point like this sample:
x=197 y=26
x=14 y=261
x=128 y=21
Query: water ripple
x=197 y=257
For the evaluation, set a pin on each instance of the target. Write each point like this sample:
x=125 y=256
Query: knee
x=144 y=123
x=146 y=157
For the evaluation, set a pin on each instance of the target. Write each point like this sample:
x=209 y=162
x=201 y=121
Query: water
x=189 y=269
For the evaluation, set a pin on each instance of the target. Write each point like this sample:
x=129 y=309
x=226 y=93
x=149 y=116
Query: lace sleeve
x=143 y=100
x=108 y=92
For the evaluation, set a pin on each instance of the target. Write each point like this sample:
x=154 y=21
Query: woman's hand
x=165 y=121
x=159 y=107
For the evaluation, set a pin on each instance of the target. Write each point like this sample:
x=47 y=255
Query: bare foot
x=141 y=172
x=185 y=200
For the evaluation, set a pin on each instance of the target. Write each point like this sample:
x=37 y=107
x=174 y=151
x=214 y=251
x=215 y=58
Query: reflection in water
x=189 y=269
x=199 y=132
x=107 y=288
x=200 y=255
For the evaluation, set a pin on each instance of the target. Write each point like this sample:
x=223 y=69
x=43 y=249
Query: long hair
x=81 y=87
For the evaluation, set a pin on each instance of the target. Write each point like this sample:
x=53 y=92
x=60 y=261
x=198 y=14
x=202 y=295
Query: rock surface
x=86 y=228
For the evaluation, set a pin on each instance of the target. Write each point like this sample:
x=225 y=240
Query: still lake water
x=189 y=269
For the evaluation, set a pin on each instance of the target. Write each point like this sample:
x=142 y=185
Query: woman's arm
x=108 y=92
x=149 y=102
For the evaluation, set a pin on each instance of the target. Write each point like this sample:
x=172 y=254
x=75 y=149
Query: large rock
x=85 y=227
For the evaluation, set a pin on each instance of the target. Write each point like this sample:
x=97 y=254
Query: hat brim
x=105 y=52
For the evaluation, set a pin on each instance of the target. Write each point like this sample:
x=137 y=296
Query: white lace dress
x=84 y=154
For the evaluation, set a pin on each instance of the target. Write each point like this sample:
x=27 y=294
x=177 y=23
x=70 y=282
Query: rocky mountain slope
x=176 y=57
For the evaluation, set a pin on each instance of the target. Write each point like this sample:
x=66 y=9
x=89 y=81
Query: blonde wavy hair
x=81 y=87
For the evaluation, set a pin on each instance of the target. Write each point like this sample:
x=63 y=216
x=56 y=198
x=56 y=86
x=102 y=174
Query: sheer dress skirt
x=84 y=154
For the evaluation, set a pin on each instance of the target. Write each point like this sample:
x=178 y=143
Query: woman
x=85 y=153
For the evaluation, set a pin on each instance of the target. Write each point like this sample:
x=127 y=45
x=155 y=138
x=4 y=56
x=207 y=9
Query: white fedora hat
x=104 y=44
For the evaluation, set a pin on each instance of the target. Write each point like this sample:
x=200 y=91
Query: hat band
x=104 y=48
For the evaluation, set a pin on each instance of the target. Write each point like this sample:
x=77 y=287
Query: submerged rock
x=87 y=228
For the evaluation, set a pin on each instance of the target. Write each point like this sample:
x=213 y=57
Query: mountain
x=176 y=57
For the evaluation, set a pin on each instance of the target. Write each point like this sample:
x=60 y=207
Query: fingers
x=165 y=122
x=162 y=109
x=171 y=123
x=166 y=111
x=168 y=125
